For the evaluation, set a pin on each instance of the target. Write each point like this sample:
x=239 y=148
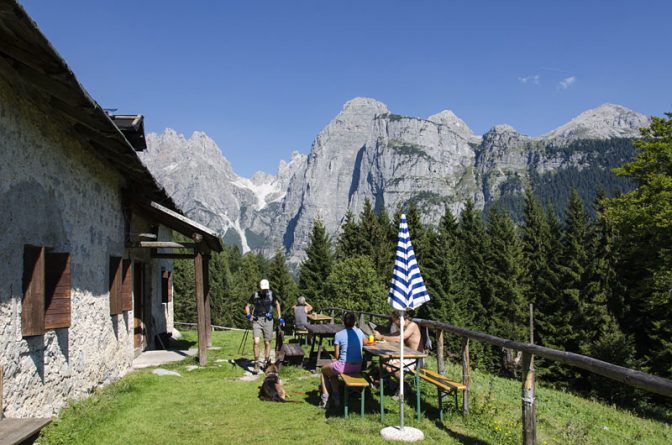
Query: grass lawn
x=211 y=405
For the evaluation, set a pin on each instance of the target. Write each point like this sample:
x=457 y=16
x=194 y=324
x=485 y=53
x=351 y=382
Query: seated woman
x=301 y=310
x=348 y=360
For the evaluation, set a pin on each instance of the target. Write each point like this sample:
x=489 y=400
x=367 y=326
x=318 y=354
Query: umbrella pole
x=401 y=368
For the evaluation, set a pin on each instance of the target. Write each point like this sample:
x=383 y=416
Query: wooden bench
x=443 y=386
x=354 y=382
x=301 y=335
x=20 y=431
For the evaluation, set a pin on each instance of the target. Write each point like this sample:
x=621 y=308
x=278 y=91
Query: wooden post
x=529 y=420
x=440 y=356
x=466 y=378
x=200 y=309
x=529 y=415
x=361 y=319
x=332 y=317
x=206 y=295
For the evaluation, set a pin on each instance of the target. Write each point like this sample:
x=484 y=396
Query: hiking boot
x=324 y=400
x=256 y=368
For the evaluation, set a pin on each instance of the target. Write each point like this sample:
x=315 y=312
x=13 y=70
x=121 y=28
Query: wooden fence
x=621 y=374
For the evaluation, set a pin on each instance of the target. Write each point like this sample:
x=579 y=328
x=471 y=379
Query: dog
x=271 y=389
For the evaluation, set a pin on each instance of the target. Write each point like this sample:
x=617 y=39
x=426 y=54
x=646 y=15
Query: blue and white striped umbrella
x=407 y=288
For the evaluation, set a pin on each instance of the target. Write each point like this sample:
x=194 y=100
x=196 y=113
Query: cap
x=263 y=284
x=301 y=300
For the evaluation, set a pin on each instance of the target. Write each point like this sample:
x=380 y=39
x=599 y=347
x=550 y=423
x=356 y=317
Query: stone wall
x=55 y=192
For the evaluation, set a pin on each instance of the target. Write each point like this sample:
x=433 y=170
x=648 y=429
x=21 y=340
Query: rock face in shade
x=366 y=151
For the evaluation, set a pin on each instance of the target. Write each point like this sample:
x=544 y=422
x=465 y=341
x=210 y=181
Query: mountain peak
x=603 y=122
x=364 y=105
x=449 y=119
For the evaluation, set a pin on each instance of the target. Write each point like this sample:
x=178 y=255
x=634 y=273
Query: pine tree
x=353 y=284
x=283 y=285
x=570 y=317
x=472 y=246
x=508 y=311
x=315 y=269
x=542 y=279
x=349 y=240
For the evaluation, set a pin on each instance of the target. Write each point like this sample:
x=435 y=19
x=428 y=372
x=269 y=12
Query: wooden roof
x=38 y=73
x=177 y=222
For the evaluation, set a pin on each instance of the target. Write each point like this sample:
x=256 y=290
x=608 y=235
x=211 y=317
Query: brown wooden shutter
x=127 y=285
x=115 y=285
x=57 y=291
x=32 y=304
x=166 y=287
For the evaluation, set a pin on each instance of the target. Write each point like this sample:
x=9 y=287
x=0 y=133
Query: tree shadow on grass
x=462 y=438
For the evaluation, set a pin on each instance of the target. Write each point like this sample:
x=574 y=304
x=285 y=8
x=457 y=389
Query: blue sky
x=263 y=77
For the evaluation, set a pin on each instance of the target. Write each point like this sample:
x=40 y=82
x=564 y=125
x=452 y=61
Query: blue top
x=354 y=338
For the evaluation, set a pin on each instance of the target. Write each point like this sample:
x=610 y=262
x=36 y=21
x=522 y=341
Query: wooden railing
x=627 y=376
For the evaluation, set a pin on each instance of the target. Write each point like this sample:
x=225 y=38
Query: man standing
x=261 y=316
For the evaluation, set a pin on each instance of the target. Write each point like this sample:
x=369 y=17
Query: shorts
x=409 y=363
x=340 y=367
x=263 y=326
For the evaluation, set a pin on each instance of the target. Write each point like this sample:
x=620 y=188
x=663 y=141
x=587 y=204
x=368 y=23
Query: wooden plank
x=174 y=256
x=126 y=285
x=529 y=417
x=200 y=310
x=115 y=285
x=166 y=245
x=440 y=378
x=57 y=291
x=354 y=380
x=466 y=375
x=16 y=431
x=32 y=304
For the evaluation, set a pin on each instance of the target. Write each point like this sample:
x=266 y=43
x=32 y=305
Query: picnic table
x=386 y=351
x=318 y=332
x=318 y=318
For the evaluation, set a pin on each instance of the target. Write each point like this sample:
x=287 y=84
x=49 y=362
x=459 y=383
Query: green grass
x=212 y=406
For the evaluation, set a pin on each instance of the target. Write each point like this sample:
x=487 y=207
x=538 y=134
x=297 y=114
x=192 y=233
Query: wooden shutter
x=115 y=285
x=166 y=286
x=126 y=285
x=57 y=291
x=32 y=304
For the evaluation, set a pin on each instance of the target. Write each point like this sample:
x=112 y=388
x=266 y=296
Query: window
x=121 y=285
x=46 y=291
x=166 y=286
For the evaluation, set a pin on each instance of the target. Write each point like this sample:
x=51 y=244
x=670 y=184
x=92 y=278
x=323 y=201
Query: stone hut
x=85 y=277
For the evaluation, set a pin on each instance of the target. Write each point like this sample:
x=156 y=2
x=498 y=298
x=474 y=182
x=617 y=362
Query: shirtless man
x=412 y=339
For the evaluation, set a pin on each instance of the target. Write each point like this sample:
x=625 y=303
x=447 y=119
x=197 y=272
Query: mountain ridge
x=366 y=152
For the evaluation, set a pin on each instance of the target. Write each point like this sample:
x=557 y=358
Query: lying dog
x=272 y=389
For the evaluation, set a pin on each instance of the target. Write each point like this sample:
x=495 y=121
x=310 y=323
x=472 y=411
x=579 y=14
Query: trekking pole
x=241 y=348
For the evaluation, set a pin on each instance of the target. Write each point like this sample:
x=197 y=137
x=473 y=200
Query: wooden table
x=318 y=318
x=18 y=431
x=386 y=351
x=318 y=332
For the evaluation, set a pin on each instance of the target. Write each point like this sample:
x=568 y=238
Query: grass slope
x=211 y=405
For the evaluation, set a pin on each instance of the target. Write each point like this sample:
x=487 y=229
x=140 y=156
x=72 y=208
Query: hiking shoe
x=324 y=400
x=256 y=369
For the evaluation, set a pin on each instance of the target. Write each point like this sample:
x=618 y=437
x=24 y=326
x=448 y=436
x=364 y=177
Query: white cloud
x=530 y=79
x=567 y=82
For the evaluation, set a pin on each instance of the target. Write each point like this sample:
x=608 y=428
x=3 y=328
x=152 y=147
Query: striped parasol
x=407 y=288
x=407 y=291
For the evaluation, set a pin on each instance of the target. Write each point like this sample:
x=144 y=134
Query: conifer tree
x=315 y=269
x=283 y=285
x=473 y=249
x=349 y=238
x=508 y=311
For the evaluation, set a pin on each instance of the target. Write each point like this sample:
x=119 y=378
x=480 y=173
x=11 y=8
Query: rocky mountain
x=368 y=152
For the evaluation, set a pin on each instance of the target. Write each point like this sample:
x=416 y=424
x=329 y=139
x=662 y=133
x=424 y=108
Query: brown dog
x=272 y=389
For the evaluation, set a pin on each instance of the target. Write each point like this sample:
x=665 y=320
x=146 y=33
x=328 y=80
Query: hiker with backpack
x=259 y=310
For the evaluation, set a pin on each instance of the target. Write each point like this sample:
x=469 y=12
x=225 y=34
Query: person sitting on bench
x=412 y=339
x=301 y=310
